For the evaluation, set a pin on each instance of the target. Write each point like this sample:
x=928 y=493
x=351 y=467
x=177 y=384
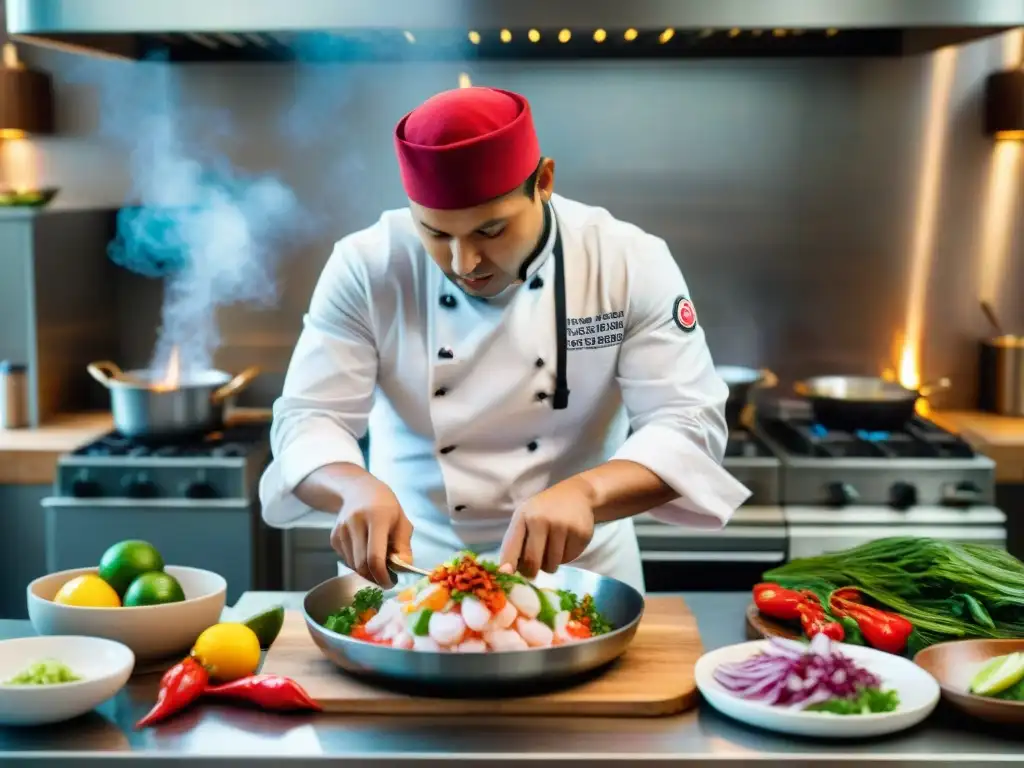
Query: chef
x=531 y=370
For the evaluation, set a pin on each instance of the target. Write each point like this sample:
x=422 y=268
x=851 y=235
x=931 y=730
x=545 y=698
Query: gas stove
x=678 y=557
x=220 y=465
x=840 y=489
x=751 y=460
x=196 y=500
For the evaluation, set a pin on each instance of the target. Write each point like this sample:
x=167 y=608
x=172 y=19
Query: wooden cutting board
x=760 y=626
x=654 y=677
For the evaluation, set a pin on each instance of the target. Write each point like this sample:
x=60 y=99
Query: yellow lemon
x=228 y=651
x=88 y=591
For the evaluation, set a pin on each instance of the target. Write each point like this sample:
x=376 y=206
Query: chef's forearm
x=618 y=489
x=325 y=488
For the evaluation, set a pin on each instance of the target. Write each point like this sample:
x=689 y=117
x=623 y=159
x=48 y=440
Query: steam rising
x=214 y=235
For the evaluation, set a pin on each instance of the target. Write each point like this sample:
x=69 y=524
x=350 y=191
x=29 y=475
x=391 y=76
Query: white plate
x=918 y=692
x=104 y=667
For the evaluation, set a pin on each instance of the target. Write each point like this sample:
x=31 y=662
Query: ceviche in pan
x=468 y=605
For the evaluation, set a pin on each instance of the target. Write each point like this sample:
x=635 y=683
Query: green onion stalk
x=947 y=590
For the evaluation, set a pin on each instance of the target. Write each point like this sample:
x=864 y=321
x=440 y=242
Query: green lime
x=154 y=588
x=125 y=561
x=267 y=625
x=999 y=674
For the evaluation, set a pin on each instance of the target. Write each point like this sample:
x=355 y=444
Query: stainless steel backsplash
x=788 y=190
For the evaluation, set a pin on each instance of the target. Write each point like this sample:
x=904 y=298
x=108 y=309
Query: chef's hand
x=552 y=528
x=371 y=525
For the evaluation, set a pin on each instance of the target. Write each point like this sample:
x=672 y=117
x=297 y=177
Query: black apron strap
x=560 y=401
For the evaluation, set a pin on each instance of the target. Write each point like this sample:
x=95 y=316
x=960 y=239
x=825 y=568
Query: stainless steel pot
x=868 y=403
x=144 y=408
x=741 y=381
x=622 y=604
x=1001 y=375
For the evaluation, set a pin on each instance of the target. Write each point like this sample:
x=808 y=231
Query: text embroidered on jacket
x=595 y=331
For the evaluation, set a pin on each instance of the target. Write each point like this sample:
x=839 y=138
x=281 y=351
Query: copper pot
x=1001 y=375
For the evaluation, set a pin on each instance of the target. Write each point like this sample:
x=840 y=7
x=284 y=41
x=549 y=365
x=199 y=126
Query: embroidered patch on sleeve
x=684 y=314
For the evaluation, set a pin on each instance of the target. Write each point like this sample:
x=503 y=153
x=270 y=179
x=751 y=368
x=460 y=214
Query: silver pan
x=619 y=602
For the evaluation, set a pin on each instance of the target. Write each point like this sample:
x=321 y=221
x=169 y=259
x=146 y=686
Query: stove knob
x=84 y=486
x=902 y=496
x=200 y=489
x=841 y=494
x=140 y=487
x=962 y=494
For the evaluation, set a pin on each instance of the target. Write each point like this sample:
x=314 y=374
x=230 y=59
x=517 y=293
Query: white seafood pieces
x=428 y=617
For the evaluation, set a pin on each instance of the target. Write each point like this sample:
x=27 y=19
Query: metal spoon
x=397 y=565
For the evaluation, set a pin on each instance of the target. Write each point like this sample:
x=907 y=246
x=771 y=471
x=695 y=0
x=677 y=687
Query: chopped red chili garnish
x=468 y=577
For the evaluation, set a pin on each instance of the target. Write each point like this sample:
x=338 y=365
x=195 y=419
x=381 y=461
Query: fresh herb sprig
x=343 y=620
x=585 y=609
x=868 y=701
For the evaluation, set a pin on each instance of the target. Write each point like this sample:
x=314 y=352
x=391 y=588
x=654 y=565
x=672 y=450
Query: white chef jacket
x=454 y=389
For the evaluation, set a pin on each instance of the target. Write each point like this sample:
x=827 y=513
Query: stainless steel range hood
x=262 y=30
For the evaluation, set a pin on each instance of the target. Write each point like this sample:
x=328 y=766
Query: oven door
x=818 y=530
x=677 y=558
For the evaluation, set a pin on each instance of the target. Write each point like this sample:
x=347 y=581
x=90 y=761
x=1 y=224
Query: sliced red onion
x=796 y=675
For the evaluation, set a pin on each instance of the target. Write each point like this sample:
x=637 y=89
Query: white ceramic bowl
x=104 y=667
x=152 y=632
x=918 y=692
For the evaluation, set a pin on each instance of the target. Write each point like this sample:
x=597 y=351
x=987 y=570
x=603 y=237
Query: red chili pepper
x=180 y=686
x=777 y=602
x=266 y=691
x=847 y=593
x=815 y=621
x=883 y=630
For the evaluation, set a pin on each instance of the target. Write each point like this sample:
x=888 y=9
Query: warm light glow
x=409 y=36
x=172 y=374
x=756 y=32
x=998 y=207
x=667 y=35
x=909 y=375
x=734 y=33
x=779 y=32
x=533 y=35
x=831 y=32
x=21 y=162
x=11 y=133
x=926 y=217
x=474 y=37
x=1013 y=49
x=506 y=36
x=564 y=36
x=464 y=81
x=600 y=35
x=630 y=35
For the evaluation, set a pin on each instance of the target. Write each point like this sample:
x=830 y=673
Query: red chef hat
x=466 y=146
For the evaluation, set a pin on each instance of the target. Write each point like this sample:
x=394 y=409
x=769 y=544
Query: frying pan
x=872 y=404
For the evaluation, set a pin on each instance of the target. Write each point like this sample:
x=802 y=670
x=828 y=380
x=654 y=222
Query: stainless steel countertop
x=219 y=735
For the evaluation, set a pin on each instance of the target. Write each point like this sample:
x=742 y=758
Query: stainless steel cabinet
x=308 y=558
